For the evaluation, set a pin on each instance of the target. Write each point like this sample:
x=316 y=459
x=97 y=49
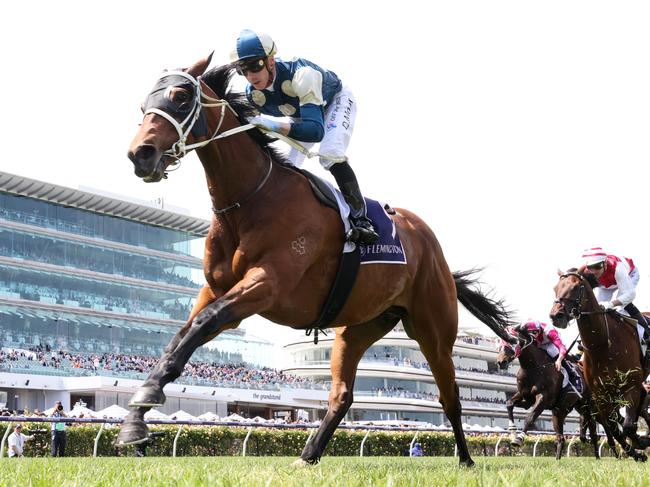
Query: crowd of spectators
x=400 y=392
x=407 y=362
x=213 y=373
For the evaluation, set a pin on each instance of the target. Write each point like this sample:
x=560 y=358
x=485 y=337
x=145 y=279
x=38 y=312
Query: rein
x=577 y=311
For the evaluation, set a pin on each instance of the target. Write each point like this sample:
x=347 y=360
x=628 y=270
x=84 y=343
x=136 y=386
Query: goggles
x=596 y=267
x=250 y=66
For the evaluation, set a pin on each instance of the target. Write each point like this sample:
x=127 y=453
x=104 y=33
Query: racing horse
x=539 y=385
x=612 y=357
x=273 y=250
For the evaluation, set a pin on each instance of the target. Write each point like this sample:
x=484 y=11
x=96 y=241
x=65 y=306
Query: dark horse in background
x=612 y=357
x=252 y=264
x=539 y=385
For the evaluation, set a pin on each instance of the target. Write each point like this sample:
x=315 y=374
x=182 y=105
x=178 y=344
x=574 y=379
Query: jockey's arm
x=310 y=127
x=554 y=337
x=307 y=83
x=626 y=290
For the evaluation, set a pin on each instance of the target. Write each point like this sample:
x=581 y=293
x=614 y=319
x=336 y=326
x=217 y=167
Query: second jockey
x=616 y=275
x=547 y=338
x=320 y=109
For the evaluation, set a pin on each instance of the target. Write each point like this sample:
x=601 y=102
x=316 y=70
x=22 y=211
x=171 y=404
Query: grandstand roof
x=20 y=185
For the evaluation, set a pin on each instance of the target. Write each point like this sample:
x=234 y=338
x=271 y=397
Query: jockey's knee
x=328 y=160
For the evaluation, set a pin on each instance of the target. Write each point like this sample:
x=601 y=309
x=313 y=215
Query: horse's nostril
x=143 y=154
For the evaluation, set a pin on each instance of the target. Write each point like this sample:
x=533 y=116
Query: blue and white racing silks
x=300 y=90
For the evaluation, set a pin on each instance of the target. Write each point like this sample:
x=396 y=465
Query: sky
x=518 y=130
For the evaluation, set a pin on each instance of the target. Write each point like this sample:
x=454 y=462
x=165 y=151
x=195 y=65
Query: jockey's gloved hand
x=267 y=123
x=606 y=305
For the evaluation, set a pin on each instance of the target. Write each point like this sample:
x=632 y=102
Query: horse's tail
x=493 y=313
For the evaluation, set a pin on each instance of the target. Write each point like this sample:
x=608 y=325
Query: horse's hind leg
x=435 y=328
x=350 y=344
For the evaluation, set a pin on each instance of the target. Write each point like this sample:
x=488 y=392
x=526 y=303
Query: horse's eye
x=181 y=97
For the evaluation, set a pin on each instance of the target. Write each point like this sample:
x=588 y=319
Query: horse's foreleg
x=585 y=409
x=633 y=399
x=538 y=408
x=210 y=316
x=610 y=419
x=510 y=407
x=349 y=346
x=559 y=415
x=593 y=433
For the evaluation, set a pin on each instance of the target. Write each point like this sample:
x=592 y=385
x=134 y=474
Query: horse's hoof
x=301 y=463
x=148 y=397
x=132 y=432
x=468 y=463
x=583 y=439
x=640 y=457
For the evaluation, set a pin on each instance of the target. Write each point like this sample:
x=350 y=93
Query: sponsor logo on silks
x=330 y=125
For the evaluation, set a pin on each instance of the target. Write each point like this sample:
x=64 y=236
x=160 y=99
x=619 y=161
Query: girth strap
x=344 y=281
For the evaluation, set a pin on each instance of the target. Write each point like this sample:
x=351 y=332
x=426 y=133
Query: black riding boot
x=363 y=231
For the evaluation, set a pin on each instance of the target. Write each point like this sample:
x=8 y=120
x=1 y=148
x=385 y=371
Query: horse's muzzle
x=559 y=320
x=147 y=163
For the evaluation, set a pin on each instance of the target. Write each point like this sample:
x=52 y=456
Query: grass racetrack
x=339 y=471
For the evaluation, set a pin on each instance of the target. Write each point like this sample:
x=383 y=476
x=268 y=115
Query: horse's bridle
x=184 y=128
x=576 y=311
x=519 y=348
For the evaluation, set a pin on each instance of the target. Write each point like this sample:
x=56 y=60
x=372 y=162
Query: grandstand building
x=394 y=381
x=93 y=286
x=89 y=273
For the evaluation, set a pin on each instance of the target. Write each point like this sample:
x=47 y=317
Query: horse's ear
x=198 y=68
x=581 y=270
x=560 y=272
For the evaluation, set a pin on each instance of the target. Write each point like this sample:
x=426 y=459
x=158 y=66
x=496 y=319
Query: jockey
x=615 y=274
x=321 y=110
x=547 y=338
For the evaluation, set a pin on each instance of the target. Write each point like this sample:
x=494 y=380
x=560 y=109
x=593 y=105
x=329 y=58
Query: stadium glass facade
x=89 y=273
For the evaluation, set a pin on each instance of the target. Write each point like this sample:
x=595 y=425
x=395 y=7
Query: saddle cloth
x=389 y=248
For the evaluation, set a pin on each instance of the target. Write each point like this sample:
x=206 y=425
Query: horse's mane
x=218 y=79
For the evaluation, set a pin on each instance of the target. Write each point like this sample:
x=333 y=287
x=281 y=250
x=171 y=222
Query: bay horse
x=612 y=357
x=539 y=385
x=252 y=264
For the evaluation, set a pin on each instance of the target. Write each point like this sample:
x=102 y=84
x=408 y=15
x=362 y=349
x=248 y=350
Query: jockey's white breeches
x=551 y=349
x=340 y=116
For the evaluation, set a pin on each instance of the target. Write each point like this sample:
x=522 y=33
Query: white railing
x=10 y=420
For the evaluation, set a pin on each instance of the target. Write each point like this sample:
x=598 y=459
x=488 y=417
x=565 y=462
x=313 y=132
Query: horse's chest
x=224 y=269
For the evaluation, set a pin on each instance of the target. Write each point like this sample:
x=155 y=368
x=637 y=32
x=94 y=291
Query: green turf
x=339 y=471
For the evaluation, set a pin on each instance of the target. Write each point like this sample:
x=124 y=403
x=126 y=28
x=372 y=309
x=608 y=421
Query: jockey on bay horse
x=547 y=338
x=615 y=275
x=321 y=109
